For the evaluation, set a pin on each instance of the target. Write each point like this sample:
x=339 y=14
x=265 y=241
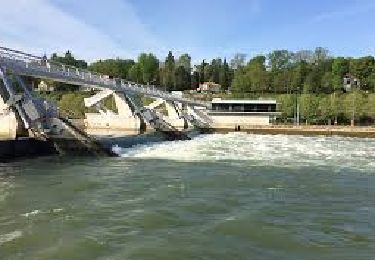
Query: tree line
x=285 y=72
x=170 y=74
x=313 y=79
x=279 y=72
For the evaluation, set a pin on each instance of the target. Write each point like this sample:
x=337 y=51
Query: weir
x=23 y=115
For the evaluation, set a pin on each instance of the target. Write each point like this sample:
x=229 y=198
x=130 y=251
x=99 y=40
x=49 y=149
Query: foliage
x=117 y=68
x=69 y=59
x=311 y=78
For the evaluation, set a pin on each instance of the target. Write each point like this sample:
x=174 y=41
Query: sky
x=206 y=29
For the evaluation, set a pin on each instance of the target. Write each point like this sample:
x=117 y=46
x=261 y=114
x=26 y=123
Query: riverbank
x=29 y=147
x=306 y=130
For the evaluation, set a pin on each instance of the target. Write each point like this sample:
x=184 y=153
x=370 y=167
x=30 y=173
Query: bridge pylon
x=33 y=117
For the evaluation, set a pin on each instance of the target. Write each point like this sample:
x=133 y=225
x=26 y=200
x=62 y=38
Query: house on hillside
x=350 y=82
x=43 y=86
x=209 y=87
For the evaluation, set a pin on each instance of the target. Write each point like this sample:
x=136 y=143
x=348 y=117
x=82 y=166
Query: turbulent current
x=220 y=196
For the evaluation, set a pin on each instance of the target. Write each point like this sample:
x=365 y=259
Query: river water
x=221 y=196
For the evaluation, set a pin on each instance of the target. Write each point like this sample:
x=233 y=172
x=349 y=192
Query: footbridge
x=24 y=114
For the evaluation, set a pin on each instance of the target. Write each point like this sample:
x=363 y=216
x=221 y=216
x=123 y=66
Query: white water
x=10 y=237
x=272 y=150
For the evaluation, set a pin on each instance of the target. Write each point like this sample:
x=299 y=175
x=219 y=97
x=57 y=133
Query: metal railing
x=31 y=65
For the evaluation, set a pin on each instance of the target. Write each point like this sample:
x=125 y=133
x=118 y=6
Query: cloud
x=40 y=26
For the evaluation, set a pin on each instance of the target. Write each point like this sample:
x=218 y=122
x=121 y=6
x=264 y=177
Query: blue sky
x=204 y=28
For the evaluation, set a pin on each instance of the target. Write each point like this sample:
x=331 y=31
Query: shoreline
x=28 y=147
x=319 y=130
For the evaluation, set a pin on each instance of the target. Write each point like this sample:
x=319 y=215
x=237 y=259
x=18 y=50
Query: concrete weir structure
x=107 y=121
x=174 y=115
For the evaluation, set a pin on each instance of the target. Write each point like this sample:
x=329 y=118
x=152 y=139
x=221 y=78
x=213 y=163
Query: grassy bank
x=316 y=109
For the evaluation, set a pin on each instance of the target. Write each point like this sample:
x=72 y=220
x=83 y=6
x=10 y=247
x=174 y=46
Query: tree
x=241 y=82
x=69 y=59
x=371 y=83
x=135 y=73
x=195 y=80
x=362 y=68
x=169 y=72
x=182 y=78
x=280 y=60
x=326 y=83
x=298 y=77
x=224 y=76
x=251 y=78
x=238 y=61
x=117 y=68
x=320 y=55
x=303 y=55
x=309 y=107
x=340 y=67
x=215 y=70
x=257 y=72
x=201 y=70
x=183 y=72
x=185 y=61
x=149 y=67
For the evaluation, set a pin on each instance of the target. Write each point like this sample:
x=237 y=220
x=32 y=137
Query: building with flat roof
x=235 y=114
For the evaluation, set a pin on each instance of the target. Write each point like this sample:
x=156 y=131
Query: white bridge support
x=8 y=122
x=200 y=114
x=175 y=117
x=174 y=113
x=107 y=121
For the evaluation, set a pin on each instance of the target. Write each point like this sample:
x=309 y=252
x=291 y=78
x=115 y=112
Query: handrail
x=30 y=64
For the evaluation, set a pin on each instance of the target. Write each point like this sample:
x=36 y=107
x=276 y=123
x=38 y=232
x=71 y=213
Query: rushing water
x=231 y=196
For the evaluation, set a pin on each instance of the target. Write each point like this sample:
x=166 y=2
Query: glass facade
x=237 y=107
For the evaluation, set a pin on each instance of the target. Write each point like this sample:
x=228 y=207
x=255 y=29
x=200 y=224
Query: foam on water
x=10 y=237
x=273 y=150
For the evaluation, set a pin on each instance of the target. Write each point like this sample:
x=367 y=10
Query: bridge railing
x=32 y=63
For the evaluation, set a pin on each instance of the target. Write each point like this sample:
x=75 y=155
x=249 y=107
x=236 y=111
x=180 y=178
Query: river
x=221 y=196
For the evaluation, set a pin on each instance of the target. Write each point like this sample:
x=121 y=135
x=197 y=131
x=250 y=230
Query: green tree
x=169 y=79
x=238 y=61
x=298 y=76
x=362 y=68
x=225 y=76
x=340 y=67
x=135 y=73
x=195 y=80
x=149 y=67
x=280 y=60
x=69 y=59
x=117 y=68
x=326 y=83
x=182 y=78
x=185 y=61
x=320 y=55
x=309 y=107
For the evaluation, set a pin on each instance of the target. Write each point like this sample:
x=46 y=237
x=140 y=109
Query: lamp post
x=296 y=109
x=353 y=110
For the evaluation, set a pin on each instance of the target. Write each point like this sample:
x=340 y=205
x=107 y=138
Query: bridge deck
x=29 y=65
